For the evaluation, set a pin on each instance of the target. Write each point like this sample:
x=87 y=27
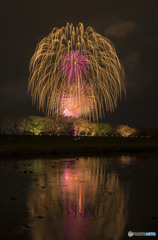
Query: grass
x=16 y=145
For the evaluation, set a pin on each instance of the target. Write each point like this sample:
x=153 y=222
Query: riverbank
x=16 y=145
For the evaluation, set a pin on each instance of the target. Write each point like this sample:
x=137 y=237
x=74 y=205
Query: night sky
x=131 y=25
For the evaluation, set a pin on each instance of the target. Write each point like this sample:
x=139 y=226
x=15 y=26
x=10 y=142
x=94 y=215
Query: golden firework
x=77 y=64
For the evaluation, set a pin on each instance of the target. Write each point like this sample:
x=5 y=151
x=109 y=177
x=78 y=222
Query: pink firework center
x=75 y=106
x=75 y=100
x=75 y=66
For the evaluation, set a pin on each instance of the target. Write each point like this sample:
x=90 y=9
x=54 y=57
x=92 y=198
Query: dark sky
x=131 y=25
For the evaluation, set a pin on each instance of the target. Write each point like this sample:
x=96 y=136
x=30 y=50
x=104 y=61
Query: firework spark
x=75 y=105
x=75 y=66
x=76 y=73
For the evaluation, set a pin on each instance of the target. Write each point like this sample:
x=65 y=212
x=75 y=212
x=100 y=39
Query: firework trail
x=76 y=73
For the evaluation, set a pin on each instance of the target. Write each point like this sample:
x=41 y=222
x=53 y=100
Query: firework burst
x=75 y=66
x=73 y=104
x=76 y=73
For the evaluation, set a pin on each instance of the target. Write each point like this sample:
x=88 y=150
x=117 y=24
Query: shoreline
x=16 y=146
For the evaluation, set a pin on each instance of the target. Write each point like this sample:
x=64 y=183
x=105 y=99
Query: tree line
x=36 y=125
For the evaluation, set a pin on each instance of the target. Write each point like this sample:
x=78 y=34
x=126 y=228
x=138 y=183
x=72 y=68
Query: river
x=88 y=198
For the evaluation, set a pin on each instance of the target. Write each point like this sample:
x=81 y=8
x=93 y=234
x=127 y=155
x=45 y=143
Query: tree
x=50 y=125
x=13 y=123
x=32 y=124
x=125 y=130
x=103 y=129
x=3 y=121
x=59 y=125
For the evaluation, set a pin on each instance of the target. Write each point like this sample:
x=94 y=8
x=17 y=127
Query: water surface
x=78 y=198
